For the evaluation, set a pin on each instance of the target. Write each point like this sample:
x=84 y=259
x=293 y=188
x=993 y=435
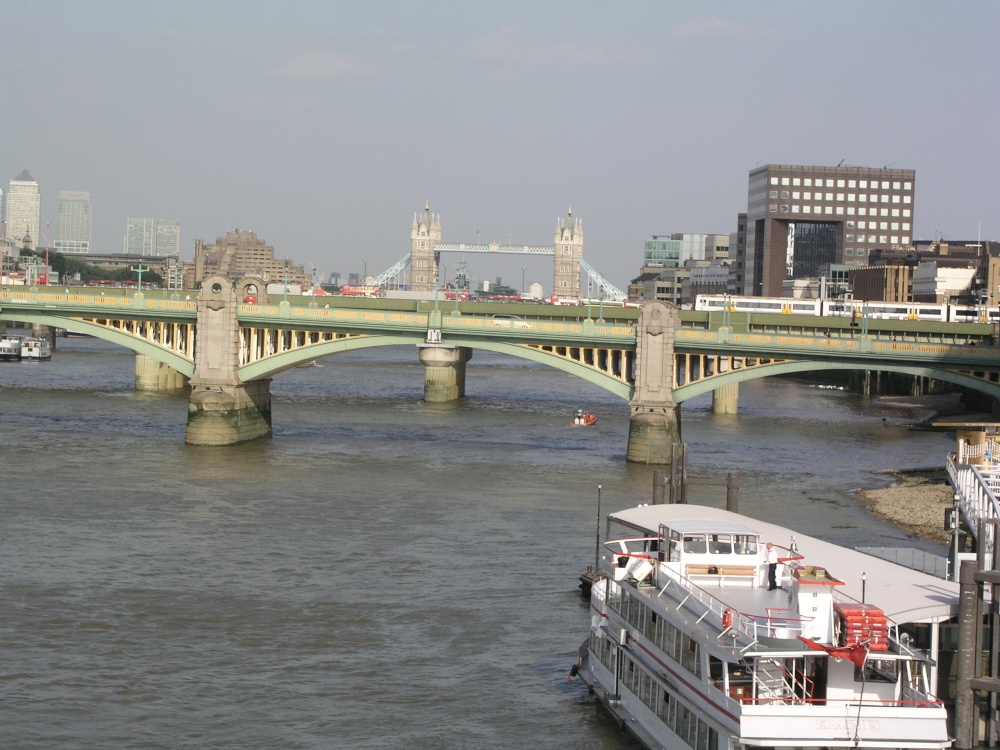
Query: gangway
x=976 y=486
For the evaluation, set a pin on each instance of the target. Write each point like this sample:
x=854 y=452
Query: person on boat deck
x=772 y=567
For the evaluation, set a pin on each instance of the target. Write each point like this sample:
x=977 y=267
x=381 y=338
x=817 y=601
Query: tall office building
x=138 y=236
x=150 y=237
x=73 y=224
x=166 y=238
x=800 y=219
x=24 y=210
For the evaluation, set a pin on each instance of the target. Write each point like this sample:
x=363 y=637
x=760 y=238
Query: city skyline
x=346 y=120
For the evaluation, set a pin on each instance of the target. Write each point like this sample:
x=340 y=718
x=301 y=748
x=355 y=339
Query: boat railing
x=976 y=489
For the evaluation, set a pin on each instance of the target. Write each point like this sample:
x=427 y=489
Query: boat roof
x=904 y=594
x=705 y=526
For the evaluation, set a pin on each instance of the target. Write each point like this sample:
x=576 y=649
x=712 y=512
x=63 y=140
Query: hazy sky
x=324 y=126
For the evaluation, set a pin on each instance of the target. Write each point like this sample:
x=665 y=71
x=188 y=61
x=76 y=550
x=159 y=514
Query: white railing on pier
x=976 y=489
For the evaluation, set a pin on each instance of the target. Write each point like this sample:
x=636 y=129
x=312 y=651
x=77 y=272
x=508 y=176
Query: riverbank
x=917 y=499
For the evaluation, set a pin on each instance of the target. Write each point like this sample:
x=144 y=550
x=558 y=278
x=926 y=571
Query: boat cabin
x=723 y=553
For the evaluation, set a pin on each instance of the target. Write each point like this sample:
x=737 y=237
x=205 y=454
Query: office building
x=241 y=253
x=73 y=224
x=802 y=218
x=138 y=237
x=166 y=238
x=23 y=211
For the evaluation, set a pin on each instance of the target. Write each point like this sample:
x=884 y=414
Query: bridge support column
x=43 y=331
x=222 y=410
x=444 y=373
x=228 y=414
x=655 y=424
x=153 y=375
x=726 y=400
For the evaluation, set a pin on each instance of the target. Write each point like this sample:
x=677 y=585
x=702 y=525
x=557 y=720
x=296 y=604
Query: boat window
x=694 y=544
x=720 y=544
x=674 y=547
x=876 y=670
x=745 y=544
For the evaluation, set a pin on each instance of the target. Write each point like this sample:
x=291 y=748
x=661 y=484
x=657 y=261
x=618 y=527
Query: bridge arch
x=707 y=385
x=278 y=363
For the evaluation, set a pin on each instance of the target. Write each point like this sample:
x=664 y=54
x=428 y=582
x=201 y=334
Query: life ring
x=727 y=619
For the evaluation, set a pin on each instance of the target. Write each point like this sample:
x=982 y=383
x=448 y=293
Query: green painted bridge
x=229 y=340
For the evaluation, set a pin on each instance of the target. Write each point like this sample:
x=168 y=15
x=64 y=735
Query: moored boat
x=10 y=346
x=690 y=649
x=35 y=349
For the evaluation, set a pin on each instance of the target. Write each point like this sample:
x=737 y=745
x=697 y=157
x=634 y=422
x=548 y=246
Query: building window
x=861 y=225
x=894 y=240
x=829 y=196
x=906 y=213
x=848 y=238
x=784 y=195
x=807 y=196
x=795 y=209
x=906 y=240
x=883 y=212
x=849 y=251
x=883 y=225
x=796 y=181
x=784 y=208
x=861 y=251
x=863 y=184
x=885 y=185
x=906 y=226
x=895 y=186
x=840 y=197
x=784 y=180
x=840 y=210
x=850 y=210
x=883 y=239
x=774 y=180
x=795 y=195
x=862 y=212
x=852 y=183
x=894 y=226
x=907 y=186
x=851 y=197
x=863 y=198
x=906 y=199
x=807 y=182
x=806 y=209
x=773 y=208
x=895 y=212
x=774 y=194
x=849 y=224
x=871 y=238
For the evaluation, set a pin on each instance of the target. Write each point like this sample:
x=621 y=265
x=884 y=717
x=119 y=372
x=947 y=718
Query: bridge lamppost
x=364 y=277
x=522 y=282
x=139 y=270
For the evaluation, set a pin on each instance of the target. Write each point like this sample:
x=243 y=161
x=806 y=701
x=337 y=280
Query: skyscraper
x=73 y=224
x=24 y=210
x=801 y=218
x=138 y=236
x=151 y=237
x=166 y=238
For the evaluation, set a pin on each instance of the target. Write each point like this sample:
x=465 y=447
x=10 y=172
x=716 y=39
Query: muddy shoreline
x=917 y=499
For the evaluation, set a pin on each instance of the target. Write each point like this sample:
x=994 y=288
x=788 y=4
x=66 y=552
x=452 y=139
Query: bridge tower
x=222 y=410
x=568 y=253
x=424 y=236
x=655 y=423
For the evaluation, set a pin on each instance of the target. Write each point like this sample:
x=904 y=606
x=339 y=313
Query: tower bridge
x=226 y=349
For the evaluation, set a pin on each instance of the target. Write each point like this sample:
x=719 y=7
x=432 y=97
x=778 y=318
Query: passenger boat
x=10 y=346
x=35 y=349
x=584 y=419
x=689 y=649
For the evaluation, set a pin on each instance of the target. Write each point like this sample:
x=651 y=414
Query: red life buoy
x=727 y=619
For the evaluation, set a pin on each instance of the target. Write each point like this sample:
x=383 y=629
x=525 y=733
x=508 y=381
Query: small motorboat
x=584 y=419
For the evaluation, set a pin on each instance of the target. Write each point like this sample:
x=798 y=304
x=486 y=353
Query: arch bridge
x=228 y=340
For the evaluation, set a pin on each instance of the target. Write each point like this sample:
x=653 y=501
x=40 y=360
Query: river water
x=382 y=573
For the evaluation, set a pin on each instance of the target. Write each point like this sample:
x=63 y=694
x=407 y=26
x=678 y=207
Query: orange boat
x=584 y=419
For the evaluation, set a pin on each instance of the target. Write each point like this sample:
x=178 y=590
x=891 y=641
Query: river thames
x=381 y=573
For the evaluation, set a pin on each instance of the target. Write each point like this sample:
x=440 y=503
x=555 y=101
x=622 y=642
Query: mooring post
x=733 y=492
x=659 y=487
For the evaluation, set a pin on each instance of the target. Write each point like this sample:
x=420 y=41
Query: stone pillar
x=655 y=424
x=153 y=375
x=444 y=373
x=43 y=331
x=726 y=399
x=222 y=410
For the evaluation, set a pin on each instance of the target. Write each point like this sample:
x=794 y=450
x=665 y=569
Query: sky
x=325 y=126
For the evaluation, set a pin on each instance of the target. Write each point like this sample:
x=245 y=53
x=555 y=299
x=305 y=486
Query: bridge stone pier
x=655 y=423
x=444 y=376
x=153 y=375
x=221 y=409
